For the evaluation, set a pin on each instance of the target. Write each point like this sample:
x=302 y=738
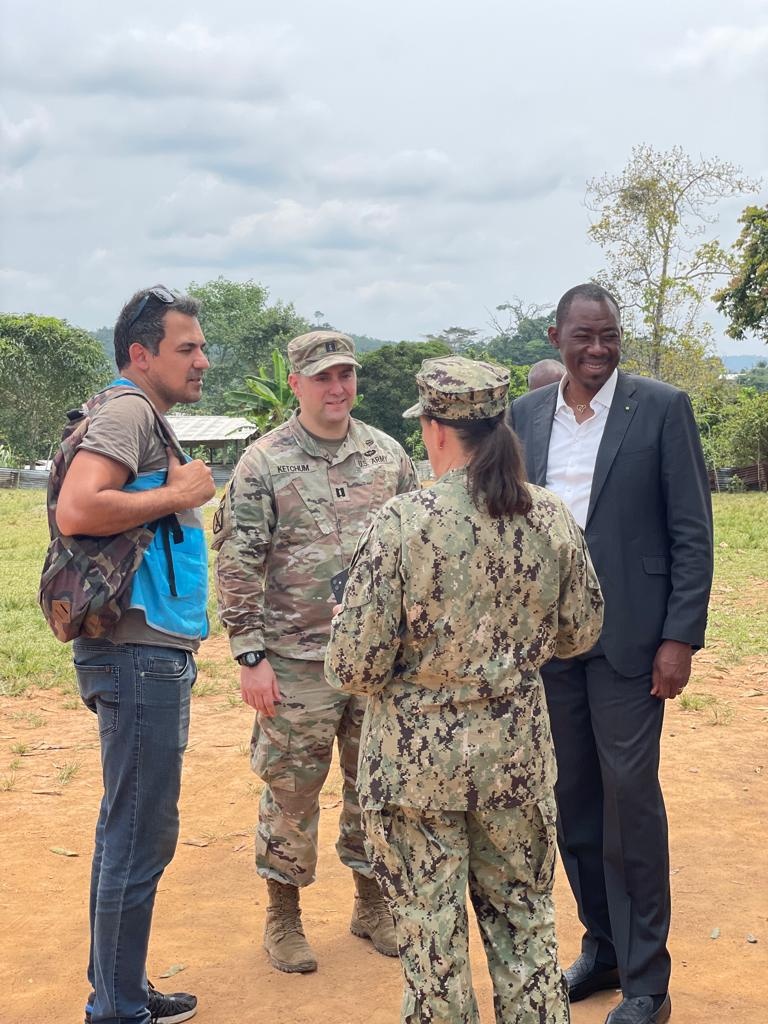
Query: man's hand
x=671 y=669
x=192 y=482
x=259 y=689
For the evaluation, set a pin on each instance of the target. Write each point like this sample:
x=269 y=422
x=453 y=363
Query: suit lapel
x=542 y=431
x=620 y=416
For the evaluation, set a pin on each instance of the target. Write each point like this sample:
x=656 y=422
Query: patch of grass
x=68 y=771
x=7 y=782
x=738 y=618
x=32 y=719
x=204 y=688
x=695 y=701
x=721 y=713
x=215 y=672
x=718 y=712
x=30 y=656
x=19 y=748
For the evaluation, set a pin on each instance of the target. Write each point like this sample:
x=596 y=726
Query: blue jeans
x=141 y=695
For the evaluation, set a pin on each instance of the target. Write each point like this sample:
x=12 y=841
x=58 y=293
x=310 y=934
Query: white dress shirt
x=573 y=449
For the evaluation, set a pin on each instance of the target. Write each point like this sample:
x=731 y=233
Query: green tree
x=650 y=222
x=756 y=378
x=241 y=329
x=265 y=399
x=364 y=343
x=687 y=361
x=746 y=426
x=106 y=338
x=387 y=382
x=518 y=380
x=733 y=422
x=457 y=339
x=46 y=367
x=744 y=300
x=521 y=337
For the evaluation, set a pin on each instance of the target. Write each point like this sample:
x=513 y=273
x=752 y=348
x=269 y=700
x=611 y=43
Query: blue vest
x=171 y=584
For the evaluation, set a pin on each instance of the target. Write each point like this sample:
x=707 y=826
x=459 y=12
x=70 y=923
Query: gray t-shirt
x=125 y=430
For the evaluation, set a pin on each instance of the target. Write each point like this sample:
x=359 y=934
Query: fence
x=753 y=478
x=27 y=478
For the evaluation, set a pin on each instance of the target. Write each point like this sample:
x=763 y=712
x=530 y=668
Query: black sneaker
x=170 y=1009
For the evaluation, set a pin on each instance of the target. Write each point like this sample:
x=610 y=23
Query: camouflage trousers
x=292 y=754
x=424 y=861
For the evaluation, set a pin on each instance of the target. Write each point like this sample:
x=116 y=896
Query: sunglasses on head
x=160 y=292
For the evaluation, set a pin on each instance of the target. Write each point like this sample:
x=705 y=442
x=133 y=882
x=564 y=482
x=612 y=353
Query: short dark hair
x=148 y=329
x=496 y=471
x=590 y=291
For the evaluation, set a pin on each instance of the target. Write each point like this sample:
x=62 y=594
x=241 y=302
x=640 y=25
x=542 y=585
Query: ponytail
x=495 y=472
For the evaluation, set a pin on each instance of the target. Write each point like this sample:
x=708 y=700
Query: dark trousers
x=612 y=825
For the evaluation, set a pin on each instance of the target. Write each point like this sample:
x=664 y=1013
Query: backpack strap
x=118 y=389
x=168 y=526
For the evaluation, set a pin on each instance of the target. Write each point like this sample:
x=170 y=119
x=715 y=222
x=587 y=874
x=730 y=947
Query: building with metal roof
x=223 y=439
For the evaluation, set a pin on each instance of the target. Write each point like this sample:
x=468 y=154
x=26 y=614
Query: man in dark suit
x=624 y=453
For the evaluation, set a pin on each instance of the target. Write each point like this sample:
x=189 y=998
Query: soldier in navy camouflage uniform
x=456 y=597
x=288 y=523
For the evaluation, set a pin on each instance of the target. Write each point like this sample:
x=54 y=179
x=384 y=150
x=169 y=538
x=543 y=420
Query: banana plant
x=265 y=400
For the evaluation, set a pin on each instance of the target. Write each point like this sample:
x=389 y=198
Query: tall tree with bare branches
x=652 y=221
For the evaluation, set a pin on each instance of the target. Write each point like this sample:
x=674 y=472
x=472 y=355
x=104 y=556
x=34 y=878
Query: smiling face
x=589 y=340
x=326 y=399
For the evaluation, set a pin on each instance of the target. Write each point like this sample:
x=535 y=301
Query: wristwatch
x=251 y=658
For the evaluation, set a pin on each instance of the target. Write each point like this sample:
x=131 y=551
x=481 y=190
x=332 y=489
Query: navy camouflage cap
x=455 y=388
x=320 y=350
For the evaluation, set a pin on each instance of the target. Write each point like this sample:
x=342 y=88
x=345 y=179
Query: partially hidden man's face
x=589 y=340
x=176 y=371
x=326 y=399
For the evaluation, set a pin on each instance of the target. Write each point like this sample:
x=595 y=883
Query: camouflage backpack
x=85 y=582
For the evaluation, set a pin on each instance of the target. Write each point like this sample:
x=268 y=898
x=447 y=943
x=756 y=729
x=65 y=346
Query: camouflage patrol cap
x=319 y=350
x=454 y=388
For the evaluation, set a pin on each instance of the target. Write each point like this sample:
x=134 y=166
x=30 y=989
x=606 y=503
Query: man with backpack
x=128 y=479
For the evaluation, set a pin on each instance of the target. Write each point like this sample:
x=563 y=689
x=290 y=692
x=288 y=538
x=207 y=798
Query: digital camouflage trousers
x=425 y=860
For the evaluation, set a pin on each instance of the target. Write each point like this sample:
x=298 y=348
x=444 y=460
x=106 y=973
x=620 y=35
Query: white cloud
x=290 y=231
x=190 y=60
x=400 y=172
x=735 y=49
x=22 y=140
x=407 y=172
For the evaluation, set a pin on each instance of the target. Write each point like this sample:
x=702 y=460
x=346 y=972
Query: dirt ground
x=210 y=910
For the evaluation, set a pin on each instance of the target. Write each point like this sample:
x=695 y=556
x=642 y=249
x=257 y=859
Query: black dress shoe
x=640 y=1010
x=586 y=976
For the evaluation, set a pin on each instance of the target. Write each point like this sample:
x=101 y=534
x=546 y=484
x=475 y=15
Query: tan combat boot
x=371 y=918
x=284 y=940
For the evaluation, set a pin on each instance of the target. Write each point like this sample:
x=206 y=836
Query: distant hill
x=105 y=337
x=365 y=344
x=735 y=364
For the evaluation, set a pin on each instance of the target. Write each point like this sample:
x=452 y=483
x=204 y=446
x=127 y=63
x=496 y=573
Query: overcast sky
x=402 y=166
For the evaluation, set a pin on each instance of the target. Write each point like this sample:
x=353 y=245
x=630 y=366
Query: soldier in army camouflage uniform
x=456 y=596
x=288 y=523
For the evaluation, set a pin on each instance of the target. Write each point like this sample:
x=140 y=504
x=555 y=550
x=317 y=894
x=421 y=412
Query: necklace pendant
x=581 y=408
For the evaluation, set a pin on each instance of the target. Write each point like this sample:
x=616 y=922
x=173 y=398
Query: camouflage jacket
x=448 y=615
x=289 y=520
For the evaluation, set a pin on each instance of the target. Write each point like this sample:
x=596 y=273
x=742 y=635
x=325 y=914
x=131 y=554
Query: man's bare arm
x=92 y=502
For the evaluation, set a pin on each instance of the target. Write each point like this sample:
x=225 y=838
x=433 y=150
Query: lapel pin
x=626 y=408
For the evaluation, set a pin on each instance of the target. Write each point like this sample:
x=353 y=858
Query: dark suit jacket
x=649 y=525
